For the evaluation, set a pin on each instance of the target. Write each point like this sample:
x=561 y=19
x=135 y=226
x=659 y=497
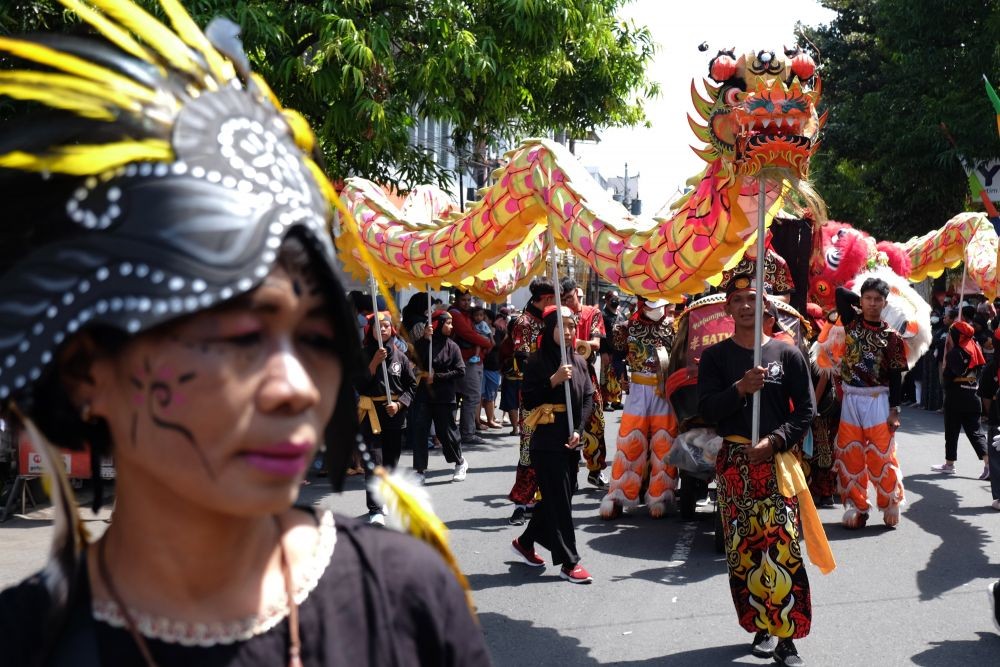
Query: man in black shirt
x=767 y=576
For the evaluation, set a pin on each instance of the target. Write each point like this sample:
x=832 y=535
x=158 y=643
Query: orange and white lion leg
x=662 y=477
x=884 y=471
x=850 y=465
x=632 y=453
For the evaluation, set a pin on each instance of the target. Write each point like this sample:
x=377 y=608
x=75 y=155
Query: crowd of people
x=834 y=430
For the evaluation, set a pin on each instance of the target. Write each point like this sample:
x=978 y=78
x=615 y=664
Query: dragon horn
x=707 y=154
x=822 y=119
x=702 y=106
x=700 y=131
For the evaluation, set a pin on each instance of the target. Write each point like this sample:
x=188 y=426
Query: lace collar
x=228 y=632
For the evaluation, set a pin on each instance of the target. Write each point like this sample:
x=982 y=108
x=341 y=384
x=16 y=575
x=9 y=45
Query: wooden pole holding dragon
x=373 y=287
x=430 y=341
x=562 y=329
x=758 y=316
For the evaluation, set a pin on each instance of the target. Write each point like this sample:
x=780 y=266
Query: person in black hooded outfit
x=438 y=389
x=555 y=454
x=383 y=419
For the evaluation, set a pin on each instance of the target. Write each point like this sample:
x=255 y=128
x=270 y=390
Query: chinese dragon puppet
x=759 y=124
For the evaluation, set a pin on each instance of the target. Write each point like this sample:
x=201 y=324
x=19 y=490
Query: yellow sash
x=544 y=414
x=648 y=380
x=366 y=408
x=792 y=482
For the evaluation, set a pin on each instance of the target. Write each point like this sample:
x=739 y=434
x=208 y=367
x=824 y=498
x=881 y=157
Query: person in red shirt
x=473 y=345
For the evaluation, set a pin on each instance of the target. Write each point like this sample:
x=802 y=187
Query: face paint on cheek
x=159 y=396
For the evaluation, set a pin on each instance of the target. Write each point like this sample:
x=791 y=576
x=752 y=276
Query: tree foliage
x=893 y=72
x=363 y=71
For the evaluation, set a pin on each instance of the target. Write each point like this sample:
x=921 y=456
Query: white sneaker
x=420 y=478
x=996 y=504
x=376 y=519
x=460 y=471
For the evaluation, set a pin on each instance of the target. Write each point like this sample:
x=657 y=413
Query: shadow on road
x=954 y=653
x=961 y=556
x=515 y=643
x=835 y=532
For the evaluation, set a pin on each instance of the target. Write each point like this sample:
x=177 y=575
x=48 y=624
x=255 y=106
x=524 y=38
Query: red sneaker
x=577 y=575
x=528 y=557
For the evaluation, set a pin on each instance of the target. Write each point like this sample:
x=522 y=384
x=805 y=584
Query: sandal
x=356 y=471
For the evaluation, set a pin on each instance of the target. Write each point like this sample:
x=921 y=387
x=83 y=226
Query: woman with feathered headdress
x=168 y=294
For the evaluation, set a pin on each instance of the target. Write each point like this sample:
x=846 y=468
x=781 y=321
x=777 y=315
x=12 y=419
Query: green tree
x=893 y=72
x=362 y=71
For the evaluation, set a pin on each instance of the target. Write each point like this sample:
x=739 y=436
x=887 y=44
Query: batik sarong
x=767 y=577
x=525 y=485
x=595 y=449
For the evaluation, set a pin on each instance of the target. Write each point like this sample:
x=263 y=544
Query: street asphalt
x=915 y=595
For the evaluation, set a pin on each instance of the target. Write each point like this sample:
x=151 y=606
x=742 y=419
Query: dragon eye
x=730 y=96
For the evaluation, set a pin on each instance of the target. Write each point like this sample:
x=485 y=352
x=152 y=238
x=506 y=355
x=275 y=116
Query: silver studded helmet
x=156 y=176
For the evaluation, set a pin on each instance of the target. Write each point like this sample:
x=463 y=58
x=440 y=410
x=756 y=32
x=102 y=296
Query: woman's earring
x=86 y=414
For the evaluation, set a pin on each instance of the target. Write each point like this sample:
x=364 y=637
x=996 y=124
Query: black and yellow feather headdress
x=160 y=180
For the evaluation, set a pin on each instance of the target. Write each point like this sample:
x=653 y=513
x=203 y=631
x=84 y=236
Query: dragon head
x=762 y=113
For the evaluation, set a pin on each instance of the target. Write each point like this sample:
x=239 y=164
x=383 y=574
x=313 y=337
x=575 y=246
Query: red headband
x=438 y=318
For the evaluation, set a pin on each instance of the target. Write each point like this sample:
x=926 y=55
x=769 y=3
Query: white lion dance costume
x=644 y=433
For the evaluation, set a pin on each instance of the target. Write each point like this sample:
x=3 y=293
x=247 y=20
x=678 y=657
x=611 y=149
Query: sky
x=661 y=155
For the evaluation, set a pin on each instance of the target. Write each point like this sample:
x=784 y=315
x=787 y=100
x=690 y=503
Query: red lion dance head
x=841 y=252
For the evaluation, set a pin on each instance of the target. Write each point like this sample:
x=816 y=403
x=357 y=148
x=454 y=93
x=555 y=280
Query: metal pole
x=758 y=317
x=965 y=274
x=562 y=329
x=430 y=341
x=376 y=324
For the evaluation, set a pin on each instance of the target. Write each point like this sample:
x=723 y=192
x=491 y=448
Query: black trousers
x=384 y=447
x=442 y=415
x=551 y=523
x=962 y=415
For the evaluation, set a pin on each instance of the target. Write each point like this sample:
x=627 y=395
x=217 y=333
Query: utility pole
x=625 y=199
